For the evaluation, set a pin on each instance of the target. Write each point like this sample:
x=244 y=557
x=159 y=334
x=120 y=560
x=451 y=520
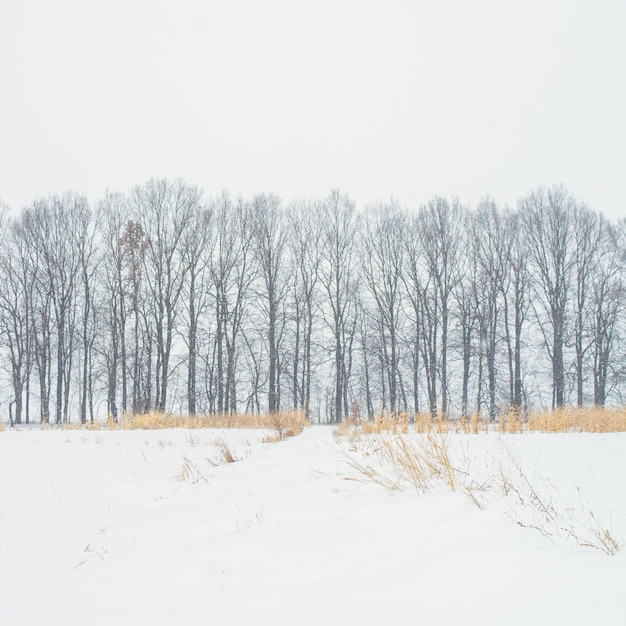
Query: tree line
x=163 y=300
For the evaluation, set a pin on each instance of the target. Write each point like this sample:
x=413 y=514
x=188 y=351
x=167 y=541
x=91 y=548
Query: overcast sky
x=384 y=98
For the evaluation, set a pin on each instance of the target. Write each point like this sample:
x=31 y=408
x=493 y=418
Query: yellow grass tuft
x=287 y=424
x=348 y=429
x=226 y=453
x=511 y=421
x=602 y=539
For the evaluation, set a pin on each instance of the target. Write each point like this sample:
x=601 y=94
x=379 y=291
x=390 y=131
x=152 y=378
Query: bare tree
x=269 y=236
x=607 y=294
x=489 y=245
x=547 y=215
x=132 y=249
x=467 y=317
x=515 y=293
x=16 y=302
x=367 y=349
x=89 y=259
x=339 y=282
x=382 y=264
x=56 y=229
x=118 y=271
x=440 y=224
x=416 y=283
x=165 y=301
x=165 y=210
x=588 y=249
x=306 y=257
x=41 y=313
x=196 y=253
x=232 y=273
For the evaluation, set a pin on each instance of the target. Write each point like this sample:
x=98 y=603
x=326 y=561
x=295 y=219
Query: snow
x=151 y=527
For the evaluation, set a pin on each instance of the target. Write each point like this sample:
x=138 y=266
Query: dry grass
x=190 y=472
x=63 y=426
x=423 y=461
x=542 y=509
x=286 y=424
x=577 y=420
x=225 y=451
x=424 y=423
x=290 y=423
x=511 y=421
x=78 y=426
x=348 y=429
x=386 y=423
x=602 y=540
x=398 y=462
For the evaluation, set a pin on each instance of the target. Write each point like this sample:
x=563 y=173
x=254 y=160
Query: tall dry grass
x=424 y=423
x=285 y=424
x=511 y=421
x=577 y=420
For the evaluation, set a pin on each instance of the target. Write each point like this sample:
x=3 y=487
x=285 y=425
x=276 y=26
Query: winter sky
x=380 y=98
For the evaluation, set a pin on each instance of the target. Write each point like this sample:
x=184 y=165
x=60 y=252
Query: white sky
x=380 y=98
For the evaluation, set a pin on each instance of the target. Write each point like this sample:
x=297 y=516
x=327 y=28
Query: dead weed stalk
x=398 y=462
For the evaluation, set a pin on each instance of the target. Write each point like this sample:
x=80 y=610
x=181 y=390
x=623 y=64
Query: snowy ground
x=137 y=527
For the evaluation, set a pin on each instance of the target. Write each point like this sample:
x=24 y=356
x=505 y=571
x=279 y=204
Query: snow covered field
x=153 y=527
